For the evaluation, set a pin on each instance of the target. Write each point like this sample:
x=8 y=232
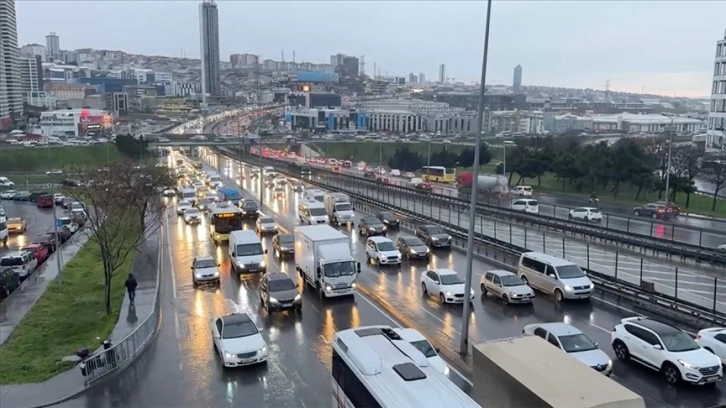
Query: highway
x=703 y=232
x=39 y=221
x=180 y=369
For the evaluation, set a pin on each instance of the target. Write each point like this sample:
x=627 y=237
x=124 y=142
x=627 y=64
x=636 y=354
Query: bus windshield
x=226 y=222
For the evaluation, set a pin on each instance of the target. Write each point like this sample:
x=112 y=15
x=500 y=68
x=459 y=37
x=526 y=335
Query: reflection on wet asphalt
x=181 y=369
x=39 y=221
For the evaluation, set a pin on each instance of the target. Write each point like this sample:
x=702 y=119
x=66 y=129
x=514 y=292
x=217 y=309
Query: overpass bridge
x=188 y=140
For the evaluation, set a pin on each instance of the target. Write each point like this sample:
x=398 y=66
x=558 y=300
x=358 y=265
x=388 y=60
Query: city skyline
x=572 y=49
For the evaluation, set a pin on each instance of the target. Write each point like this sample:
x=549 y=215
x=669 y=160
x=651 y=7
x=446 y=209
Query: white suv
x=586 y=214
x=665 y=348
x=383 y=251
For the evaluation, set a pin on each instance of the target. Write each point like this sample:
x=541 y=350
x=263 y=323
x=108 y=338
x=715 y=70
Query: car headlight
x=273 y=300
x=198 y=275
x=448 y=294
x=263 y=350
x=216 y=273
x=592 y=286
x=228 y=355
x=471 y=292
x=687 y=365
x=353 y=285
x=384 y=228
x=413 y=251
x=242 y=266
x=297 y=298
x=328 y=288
x=568 y=288
x=262 y=263
x=610 y=363
x=434 y=239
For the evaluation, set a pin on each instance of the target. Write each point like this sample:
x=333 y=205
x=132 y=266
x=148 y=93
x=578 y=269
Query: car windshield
x=237 y=330
x=451 y=280
x=387 y=216
x=569 y=272
x=678 y=342
x=267 y=221
x=249 y=249
x=205 y=263
x=425 y=348
x=14 y=220
x=14 y=261
x=338 y=269
x=434 y=231
x=413 y=241
x=574 y=343
x=185 y=204
x=373 y=222
x=511 y=280
x=317 y=211
x=343 y=207
x=386 y=246
x=286 y=239
x=192 y=211
x=279 y=285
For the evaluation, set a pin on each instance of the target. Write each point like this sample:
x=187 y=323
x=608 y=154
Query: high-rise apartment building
x=11 y=93
x=209 y=37
x=442 y=74
x=33 y=50
x=422 y=78
x=31 y=75
x=244 y=60
x=345 y=65
x=517 y=82
x=52 y=45
x=717 y=114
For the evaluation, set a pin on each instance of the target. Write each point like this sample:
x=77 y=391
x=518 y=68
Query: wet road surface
x=692 y=230
x=181 y=369
x=400 y=286
x=39 y=221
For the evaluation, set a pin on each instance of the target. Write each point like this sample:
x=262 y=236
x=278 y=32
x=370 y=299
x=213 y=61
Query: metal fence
x=688 y=283
x=123 y=353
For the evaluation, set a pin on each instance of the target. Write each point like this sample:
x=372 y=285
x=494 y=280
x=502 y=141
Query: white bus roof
x=224 y=208
x=396 y=372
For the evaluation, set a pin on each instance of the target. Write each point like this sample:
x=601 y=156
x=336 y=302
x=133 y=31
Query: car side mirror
x=552 y=275
x=217 y=336
x=597 y=345
x=219 y=264
x=499 y=284
x=657 y=347
x=192 y=268
x=265 y=251
x=357 y=266
x=234 y=253
x=438 y=350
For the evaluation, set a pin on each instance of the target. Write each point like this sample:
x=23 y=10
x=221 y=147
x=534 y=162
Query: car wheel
x=621 y=351
x=505 y=299
x=483 y=289
x=671 y=373
x=442 y=299
x=524 y=279
x=559 y=297
x=423 y=288
x=636 y=213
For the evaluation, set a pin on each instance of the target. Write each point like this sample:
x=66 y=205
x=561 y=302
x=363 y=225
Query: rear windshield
x=14 y=261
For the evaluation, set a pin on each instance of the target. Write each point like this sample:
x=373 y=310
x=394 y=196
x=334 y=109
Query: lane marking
x=177 y=329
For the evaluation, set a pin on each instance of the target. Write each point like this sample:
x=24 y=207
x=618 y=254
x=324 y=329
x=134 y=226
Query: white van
x=556 y=276
x=246 y=253
x=22 y=262
x=523 y=191
x=188 y=194
x=312 y=212
x=314 y=194
x=526 y=205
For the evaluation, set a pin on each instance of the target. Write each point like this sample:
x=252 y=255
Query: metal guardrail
x=643 y=293
x=123 y=353
x=668 y=246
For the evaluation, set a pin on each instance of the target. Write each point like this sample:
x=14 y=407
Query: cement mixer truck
x=488 y=186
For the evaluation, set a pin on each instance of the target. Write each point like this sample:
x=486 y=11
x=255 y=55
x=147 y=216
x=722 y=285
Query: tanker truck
x=488 y=186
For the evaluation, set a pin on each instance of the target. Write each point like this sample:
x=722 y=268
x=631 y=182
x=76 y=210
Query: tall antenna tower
x=362 y=65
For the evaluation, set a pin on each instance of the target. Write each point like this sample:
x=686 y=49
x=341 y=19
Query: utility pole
x=670 y=151
x=464 y=345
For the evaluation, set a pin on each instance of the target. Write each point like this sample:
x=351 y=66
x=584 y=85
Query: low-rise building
x=75 y=122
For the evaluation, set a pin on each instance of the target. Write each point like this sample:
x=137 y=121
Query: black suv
x=371 y=226
x=434 y=236
x=9 y=281
x=652 y=210
x=279 y=292
x=388 y=219
x=249 y=208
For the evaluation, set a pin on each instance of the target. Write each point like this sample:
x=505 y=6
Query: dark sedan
x=413 y=248
x=371 y=226
x=283 y=245
x=434 y=236
x=388 y=219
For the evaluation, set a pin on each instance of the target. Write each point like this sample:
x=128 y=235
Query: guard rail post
x=563 y=247
x=544 y=239
x=641 y=270
x=587 y=248
x=481 y=225
x=700 y=237
x=495 y=228
x=525 y=238
x=673 y=233
x=651 y=228
x=715 y=292
x=675 y=286
x=627 y=226
x=510 y=233
x=617 y=257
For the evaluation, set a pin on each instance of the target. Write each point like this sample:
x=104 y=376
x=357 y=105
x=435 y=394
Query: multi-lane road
x=39 y=221
x=181 y=368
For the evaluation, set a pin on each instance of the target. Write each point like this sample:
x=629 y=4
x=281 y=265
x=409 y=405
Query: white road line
x=177 y=330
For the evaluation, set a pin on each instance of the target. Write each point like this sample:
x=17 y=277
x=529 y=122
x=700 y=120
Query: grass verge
x=65 y=318
x=35 y=159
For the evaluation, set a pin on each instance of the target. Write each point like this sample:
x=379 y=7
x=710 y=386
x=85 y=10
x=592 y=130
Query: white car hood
x=582 y=281
x=591 y=358
x=700 y=358
x=519 y=290
x=205 y=271
x=249 y=259
x=243 y=344
x=386 y=254
x=457 y=289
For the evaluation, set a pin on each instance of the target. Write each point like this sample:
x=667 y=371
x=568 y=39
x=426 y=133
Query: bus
x=374 y=366
x=223 y=219
x=438 y=174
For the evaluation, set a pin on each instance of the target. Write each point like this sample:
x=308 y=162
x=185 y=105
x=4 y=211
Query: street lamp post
x=670 y=150
x=464 y=345
x=504 y=159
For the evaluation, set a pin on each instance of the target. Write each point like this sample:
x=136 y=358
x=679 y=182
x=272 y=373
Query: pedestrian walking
x=131 y=285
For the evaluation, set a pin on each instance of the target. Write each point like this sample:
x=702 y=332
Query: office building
x=716 y=133
x=31 y=75
x=11 y=92
x=345 y=66
x=52 y=45
x=422 y=78
x=33 y=50
x=517 y=83
x=209 y=37
x=442 y=74
x=244 y=60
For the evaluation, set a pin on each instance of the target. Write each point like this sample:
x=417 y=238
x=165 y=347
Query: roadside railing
x=704 y=299
x=123 y=353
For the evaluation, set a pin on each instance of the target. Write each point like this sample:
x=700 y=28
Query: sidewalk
x=18 y=304
x=70 y=383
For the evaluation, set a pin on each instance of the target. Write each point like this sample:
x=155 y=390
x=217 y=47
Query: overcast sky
x=660 y=47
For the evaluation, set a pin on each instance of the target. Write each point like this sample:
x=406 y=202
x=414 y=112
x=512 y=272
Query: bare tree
x=714 y=171
x=687 y=163
x=120 y=213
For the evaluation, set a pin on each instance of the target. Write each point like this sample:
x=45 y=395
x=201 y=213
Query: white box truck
x=528 y=372
x=323 y=259
x=338 y=208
